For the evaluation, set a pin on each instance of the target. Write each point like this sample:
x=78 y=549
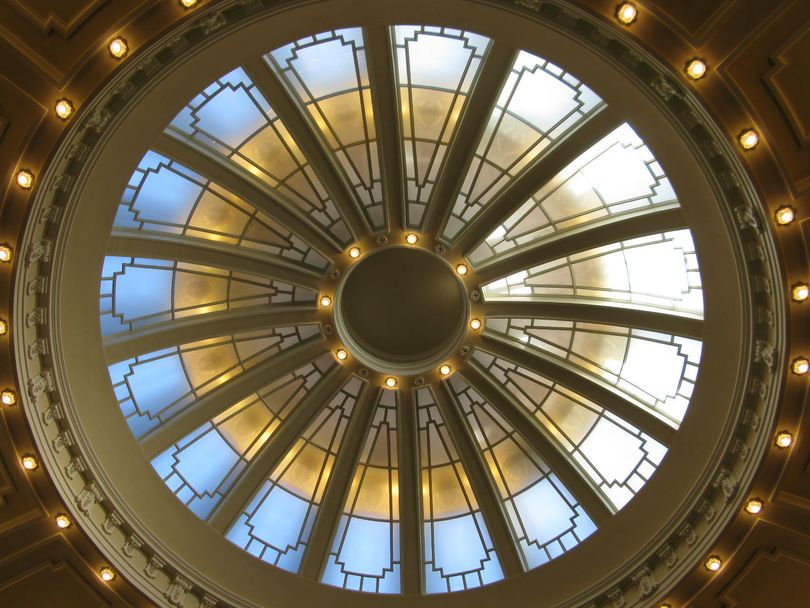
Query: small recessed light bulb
x=3 y=327
x=799 y=292
x=107 y=574
x=665 y=605
x=461 y=269
x=63 y=108
x=391 y=382
x=713 y=563
x=354 y=252
x=696 y=68
x=783 y=439
x=785 y=215
x=118 y=48
x=626 y=13
x=411 y=239
x=445 y=370
x=475 y=324
x=753 y=506
x=29 y=462
x=63 y=521
x=326 y=301
x=6 y=253
x=749 y=139
x=8 y=397
x=188 y=3
x=800 y=366
x=25 y=179
x=341 y=354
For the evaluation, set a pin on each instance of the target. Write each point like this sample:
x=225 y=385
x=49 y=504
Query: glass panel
x=545 y=518
x=615 y=455
x=519 y=131
x=458 y=551
x=165 y=196
x=275 y=525
x=203 y=466
x=231 y=118
x=657 y=369
x=617 y=174
x=660 y=270
x=328 y=77
x=365 y=549
x=435 y=70
x=136 y=292
x=154 y=387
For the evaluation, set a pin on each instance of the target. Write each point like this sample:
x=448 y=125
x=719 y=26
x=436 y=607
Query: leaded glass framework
x=432 y=96
x=328 y=77
x=232 y=118
x=365 y=548
x=519 y=131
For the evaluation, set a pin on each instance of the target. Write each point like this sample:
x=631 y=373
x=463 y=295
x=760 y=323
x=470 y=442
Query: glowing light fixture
x=713 y=563
x=63 y=521
x=106 y=574
x=475 y=324
x=748 y=139
x=411 y=239
x=326 y=301
x=341 y=354
x=30 y=462
x=354 y=252
x=696 y=68
x=3 y=327
x=461 y=269
x=63 y=108
x=785 y=215
x=188 y=3
x=800 y=366
x=626 y=13
x=445 y=370
x=6 y=253
x=391 y=382
x=753 y=506
x=784 y=439
x=799 y=292
x=118 y=48
x=25 y=179
x=8 y=397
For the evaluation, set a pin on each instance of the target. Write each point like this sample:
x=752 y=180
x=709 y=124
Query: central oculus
x=401 y=309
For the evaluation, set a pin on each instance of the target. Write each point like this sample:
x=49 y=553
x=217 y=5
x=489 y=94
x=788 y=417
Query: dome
x=404 y=303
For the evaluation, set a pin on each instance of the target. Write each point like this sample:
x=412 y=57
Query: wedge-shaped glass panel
x=328 y=77
x=365 y=549
x=545 y=518
x=657 y=369
x=201 y=468
x=617 y=457
x=458 y=550
x=435 y=70
x=660 y=270
x=616 y=175
x=231 y=118
x=136 y=292
x=154 y=387
x=275 y=525
x=539 y=104
x=164 y=196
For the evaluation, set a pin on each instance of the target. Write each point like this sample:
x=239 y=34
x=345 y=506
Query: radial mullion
x=592 y=388
x=339 y=479
x=626 y=315
x=197 y=251
x=342 y=195
x=233 y=391
x=575 y=480
x=274 y=450
x=410 y=532
x=497 y=65
x=482 y=487
x=237 y=181
x=621 y=227
x=555 y=159
x=386 y=115
x=201 y=327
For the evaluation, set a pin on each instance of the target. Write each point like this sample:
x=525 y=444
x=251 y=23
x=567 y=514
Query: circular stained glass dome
x=287 y=390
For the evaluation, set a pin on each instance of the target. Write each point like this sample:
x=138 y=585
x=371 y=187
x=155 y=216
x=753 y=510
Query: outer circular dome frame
x=178 y=571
